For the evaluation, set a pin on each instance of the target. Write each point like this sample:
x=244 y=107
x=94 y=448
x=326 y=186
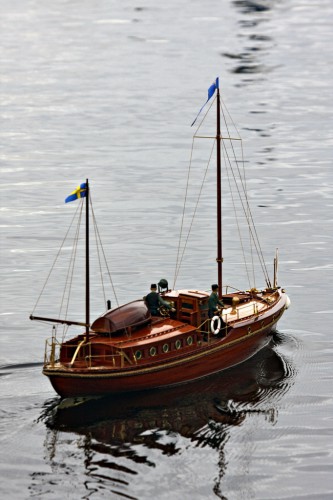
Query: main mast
x=219 y=258
x=87 y=265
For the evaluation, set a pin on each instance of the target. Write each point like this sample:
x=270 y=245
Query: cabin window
x=138 y=354
x=187 y=305
x=153 y=351
x=178 y=344
x=165 y=348
x=189 y=340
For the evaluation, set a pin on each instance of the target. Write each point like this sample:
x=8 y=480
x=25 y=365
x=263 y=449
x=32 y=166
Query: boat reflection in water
x=202 y=411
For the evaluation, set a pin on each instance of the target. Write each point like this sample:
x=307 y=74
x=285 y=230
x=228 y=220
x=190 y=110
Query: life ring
x=212 y=325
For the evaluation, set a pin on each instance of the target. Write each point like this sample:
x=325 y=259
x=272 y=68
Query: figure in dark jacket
x=154 y=301
x=214 y=301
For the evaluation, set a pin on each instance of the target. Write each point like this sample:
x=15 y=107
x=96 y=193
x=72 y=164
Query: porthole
x=249 y=330
x=165 y=348
x=178 y=344
x=152 y=351
x=138 y=355
x=189 y=340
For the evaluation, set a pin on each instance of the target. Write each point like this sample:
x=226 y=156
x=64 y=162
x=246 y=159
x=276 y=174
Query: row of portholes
x=165 y=348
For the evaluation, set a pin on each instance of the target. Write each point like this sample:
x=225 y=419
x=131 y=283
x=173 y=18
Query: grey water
x=107 y=91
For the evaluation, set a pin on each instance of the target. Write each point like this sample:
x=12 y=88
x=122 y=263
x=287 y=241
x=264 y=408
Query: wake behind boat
x=187 y=335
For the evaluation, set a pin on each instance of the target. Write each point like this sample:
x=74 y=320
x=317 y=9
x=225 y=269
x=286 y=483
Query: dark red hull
x=86 y=384
x=205 y=360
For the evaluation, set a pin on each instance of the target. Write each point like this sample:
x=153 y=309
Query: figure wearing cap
x=214 y=301
x=154 y=301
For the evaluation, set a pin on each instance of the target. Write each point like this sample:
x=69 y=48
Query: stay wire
x=177 y=267
x=248 y=219
x=251 y=240
x=98 y=253
x=237 y=219
x=71 y=268
x=248 y=213
x=55 y=261
x=179 y=262
x=195 y=211
x=104 y=256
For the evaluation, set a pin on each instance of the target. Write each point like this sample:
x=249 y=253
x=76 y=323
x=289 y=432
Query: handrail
x=76 y=351
x=50 y=346
x=239 y=308
x=244 y=306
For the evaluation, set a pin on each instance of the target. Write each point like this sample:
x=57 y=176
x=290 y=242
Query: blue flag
x=211 y=91
x=79 y=192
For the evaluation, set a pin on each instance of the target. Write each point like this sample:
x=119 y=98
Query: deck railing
x=52 y=354
x=237 y=312
x=234 y=312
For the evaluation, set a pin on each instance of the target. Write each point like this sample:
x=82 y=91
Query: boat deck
x=243 y=311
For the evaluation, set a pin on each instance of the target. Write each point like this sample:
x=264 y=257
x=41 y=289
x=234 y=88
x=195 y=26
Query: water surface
x=108 y=91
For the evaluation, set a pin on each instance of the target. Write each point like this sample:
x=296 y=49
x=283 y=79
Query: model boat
x=129 y=348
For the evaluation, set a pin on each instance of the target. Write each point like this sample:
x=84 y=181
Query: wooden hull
x=245 y=339
x=73 y=383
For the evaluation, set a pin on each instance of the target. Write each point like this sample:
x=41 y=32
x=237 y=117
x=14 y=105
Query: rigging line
x=107 y=267
x=249 y=217
x=98 y=253
x=251 y=243
x=64 y=332
x=70 y=273
x=250 y=236
x=247 y=200
x=178 y=264
x=230 y=117
x=69 y=276
x=196 y=207
x=104 y=256
x=241 y=198
x=236 y=218
x=55 y=260
x=248 y=208
x=204 y=117
x=260 y=257
x=183 y=218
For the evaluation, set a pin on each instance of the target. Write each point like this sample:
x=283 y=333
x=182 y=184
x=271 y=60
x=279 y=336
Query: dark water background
x=107 y=90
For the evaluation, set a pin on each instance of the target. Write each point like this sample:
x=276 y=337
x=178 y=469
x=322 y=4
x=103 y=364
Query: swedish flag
x=79 y=192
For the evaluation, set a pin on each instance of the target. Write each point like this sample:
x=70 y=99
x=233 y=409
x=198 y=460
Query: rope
x=55 y=261
x=179 y=262
x=237 y=223
x=104 y=257
x=249 y=219
x=194 y=213
x=98 y=255
x=240 y=184
x=70 y=272
x=65 y=299
x=247 y=211
x=183 y=217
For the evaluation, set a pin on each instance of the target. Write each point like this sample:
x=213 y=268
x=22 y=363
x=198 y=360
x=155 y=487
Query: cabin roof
x=151 y=334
